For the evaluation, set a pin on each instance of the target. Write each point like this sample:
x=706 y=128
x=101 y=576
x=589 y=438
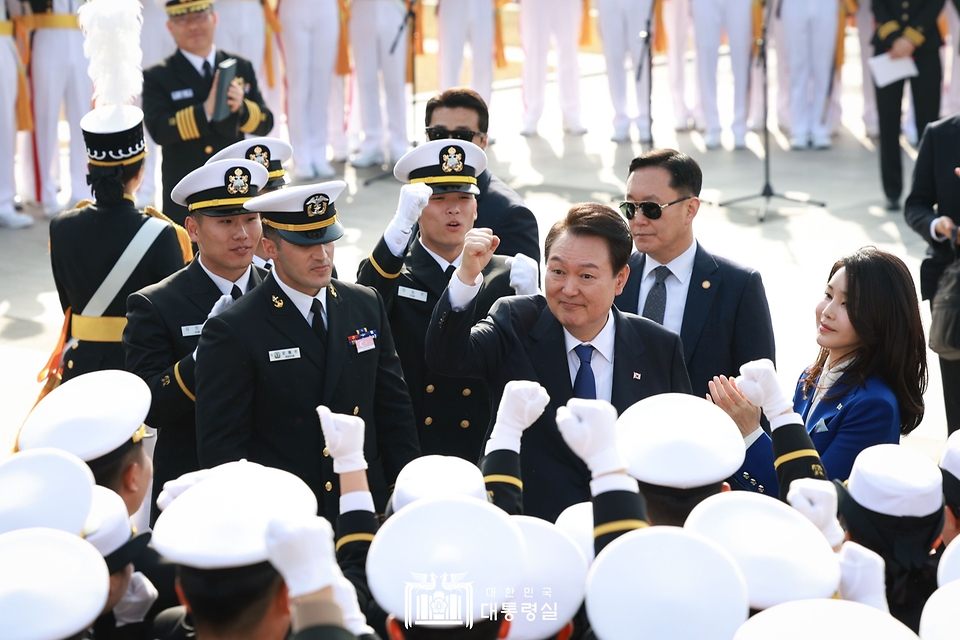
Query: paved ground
x=794 y=248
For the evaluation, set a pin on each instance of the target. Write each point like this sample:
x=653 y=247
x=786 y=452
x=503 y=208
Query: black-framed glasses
x=442 y=133
x=650 y=210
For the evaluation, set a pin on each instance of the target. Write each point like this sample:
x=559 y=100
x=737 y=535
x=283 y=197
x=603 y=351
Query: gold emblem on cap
x=238 y=182
x=260 y=155
x=452 y=161
x=277 y=302
x=316 y=205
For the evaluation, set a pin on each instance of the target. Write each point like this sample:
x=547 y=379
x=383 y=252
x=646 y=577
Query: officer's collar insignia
x=260 y=155
x=333 y=291
x=237 y=181
x=451 y=160
x=277 y=302
x=316 y=205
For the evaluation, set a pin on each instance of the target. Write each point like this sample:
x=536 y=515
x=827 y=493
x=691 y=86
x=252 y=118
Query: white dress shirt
x=602 y=360
x=197 y=61
x=225 y=286
x=441 y=261
x=303 y=302
x=677 y=284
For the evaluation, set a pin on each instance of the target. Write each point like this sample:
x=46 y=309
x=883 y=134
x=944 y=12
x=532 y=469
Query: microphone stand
x=645 y=53
x=767 y=193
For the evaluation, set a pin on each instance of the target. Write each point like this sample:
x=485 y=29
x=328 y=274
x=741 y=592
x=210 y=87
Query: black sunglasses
x=441 y=133
x=650 y=210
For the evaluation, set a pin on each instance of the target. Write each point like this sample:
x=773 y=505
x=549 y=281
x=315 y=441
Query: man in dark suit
x=452 y=413
x=574 y=342
x=164 y=320
x=301 y=340
x=935 y=184
x=718 y=307
x=461 y=114
x=179 y=95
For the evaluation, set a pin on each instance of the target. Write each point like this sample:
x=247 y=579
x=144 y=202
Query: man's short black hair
x=229 y=601
x=482 y=630
x=597 y=220
x=459 y=97
x=686 y=178
x=669 y=506
x=110 y=474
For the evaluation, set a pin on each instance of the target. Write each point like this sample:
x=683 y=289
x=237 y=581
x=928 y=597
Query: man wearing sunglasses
x=461 y=114
x=718 y=307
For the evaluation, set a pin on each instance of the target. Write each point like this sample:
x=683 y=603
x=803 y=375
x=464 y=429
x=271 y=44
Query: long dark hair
x=108 y=183
x=884 y=311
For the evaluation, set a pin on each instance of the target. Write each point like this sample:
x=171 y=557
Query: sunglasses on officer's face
x=650 y=210
x=441 y=133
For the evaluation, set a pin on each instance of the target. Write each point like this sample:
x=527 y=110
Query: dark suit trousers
x=926 y=103
x=950 y=375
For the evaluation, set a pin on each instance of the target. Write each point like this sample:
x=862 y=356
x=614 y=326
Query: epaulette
x=182 y=236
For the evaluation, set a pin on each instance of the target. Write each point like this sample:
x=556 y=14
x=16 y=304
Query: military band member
x=9 y=69
x=179 y=95
x=302 y=339
x=620 y=22
x=440 y=194
x=164 y=320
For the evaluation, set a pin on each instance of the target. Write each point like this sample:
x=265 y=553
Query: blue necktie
x=585 y=385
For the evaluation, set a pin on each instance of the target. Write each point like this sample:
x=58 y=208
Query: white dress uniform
x=241 y=30
x=710 y=18
x=310 y=37
x=677 y=24
x=950 y=103
x=621 y=22
x=458 y=22
x=541 y=20
x=776 y=51
x=157 y=44
x=810 y=29
x=58 y=71
x=373 y=28
x=8 y=127
x=866 y=29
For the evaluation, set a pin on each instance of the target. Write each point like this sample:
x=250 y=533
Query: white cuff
x=753 y=437
x=461 y=295
x=785 y=418
x=613 y=482
x=396 y=240
x=933 y=231
x=357 y=501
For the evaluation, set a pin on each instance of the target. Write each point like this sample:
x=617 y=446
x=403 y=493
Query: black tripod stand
x=409 y=22
x=767 y=193
x=646 y=56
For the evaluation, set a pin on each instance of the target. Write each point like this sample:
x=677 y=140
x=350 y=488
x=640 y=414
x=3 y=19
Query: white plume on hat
x=111 y=30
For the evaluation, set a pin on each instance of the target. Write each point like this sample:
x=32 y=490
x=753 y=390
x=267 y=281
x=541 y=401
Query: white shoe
x=711 y=140
x=366 y=159
x=574 y=129
x=529 y=131
x=822 y=142
x=303 y=173
x=739 y=141
x=799 y=143
x=14 y=220
x=323 y=171
x=645 y=136
x=621 y=133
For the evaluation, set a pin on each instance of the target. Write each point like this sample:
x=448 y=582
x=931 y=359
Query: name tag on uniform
x=191 y=330
x=182 y=94
x=284 y=354
x=413 y=294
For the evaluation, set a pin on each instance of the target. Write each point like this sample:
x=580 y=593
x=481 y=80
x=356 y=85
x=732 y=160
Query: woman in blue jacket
x=866 y=385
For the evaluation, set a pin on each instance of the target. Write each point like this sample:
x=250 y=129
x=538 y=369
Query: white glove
x=413 y=199
x=219 y=307
x=524 y=274
x=588 y=428
x=301 y=549
x=345 y=595
x=759 y=384
x=817 y=500
x=136 y=601
x=862 y=576
x=344 y=438
x=522 y=402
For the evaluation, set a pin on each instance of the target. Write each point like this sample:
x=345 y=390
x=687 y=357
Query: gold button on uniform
x=905 y=5
x=75 y=345
x=467 y=392
x=356 y=410
x=428 y=421
x=328 y=486
x=208 y=149
x=326 y=452
x=464 y=424
x=905 y=17
x=69 y=364
x=430 y=388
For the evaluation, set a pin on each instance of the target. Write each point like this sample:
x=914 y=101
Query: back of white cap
x=896 y=481
x=824 y=620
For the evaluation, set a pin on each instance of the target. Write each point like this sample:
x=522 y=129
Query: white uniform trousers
x=58 y=75
x=710 y=18
x=539 y=21
x=8 y=123
x=373 y=29
x=810 y=29
x=950 y=104
x=157 y=44
x=866 y=28
x=621 y=22
x=777 y=50
x=677 y=24
x=310 y=37
x=459 y=22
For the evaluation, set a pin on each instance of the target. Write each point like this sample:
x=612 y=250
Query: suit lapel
x=427 y=270
x=203 y=291
x=829 y=407
x=190 y=76
x=629 y=300
x=337 y=332
x=548 y=355
x=627 y=351
x=700 y=297
x=285 y=316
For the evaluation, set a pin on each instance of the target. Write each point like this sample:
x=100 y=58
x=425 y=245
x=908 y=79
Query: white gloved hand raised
x=345 y=595
x=862 y=576
x=589 y=429
x=413 y=199
x=524 y=274
x=136 y=601
x=817 y=500
x=344 y=439
x=522 y=402
x=221 y=305
x=301 y=549
x=759 y=384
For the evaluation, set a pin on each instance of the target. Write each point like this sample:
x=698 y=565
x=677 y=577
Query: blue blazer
x=726 y=319
x=840 y=426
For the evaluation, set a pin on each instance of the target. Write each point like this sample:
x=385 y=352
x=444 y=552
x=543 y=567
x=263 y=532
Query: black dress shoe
x=893 y=204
